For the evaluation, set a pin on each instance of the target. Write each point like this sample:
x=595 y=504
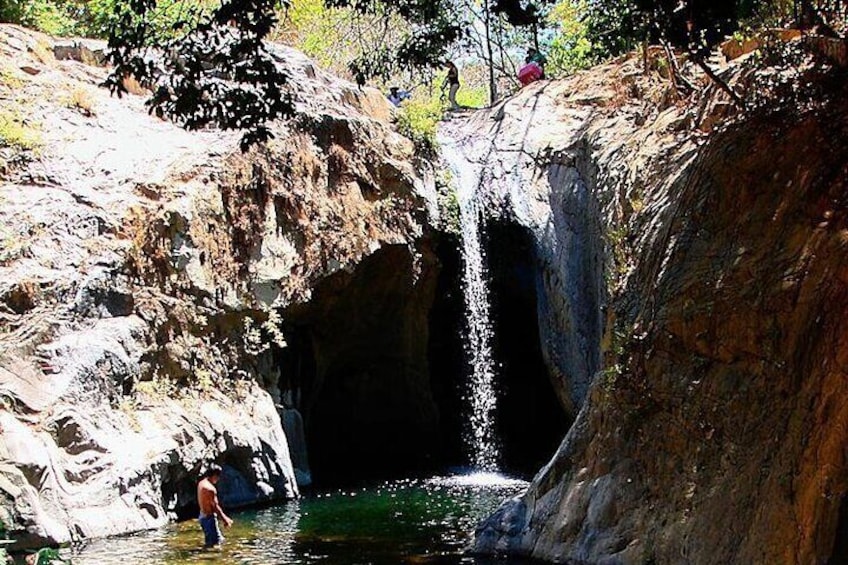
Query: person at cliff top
x=210 y=509
x=534 y=67
x=396 y=96
x=452 y=80
x=535 y=56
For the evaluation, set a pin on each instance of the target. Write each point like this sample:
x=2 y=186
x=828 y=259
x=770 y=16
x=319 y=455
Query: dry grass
x=43 y=52
x=81 y=99
x=134 y=87
x=16 y=132
x=12 y=244
x=10 y=78
x=155 y=390
x=130 y=410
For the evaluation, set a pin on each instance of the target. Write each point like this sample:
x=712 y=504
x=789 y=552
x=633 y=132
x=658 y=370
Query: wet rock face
x=716 y=428
x=759 y=322
x=547 y=193
x=570 y=285
x=147 y=278
x=734 y=381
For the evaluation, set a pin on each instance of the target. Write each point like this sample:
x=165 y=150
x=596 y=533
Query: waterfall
x=480 y=395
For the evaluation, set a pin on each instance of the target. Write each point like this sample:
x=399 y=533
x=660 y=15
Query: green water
x=421 y=521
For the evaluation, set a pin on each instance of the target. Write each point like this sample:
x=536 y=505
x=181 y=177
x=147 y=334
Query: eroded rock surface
x=694 y=298
x=146 y=278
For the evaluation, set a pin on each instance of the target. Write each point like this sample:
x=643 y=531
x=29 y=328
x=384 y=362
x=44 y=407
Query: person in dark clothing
x=396 y=96
x=452 y=81
x=535 y=56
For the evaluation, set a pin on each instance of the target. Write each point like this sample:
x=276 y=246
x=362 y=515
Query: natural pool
x=415 y=521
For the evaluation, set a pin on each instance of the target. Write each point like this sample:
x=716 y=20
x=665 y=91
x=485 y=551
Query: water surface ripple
x=415 y=521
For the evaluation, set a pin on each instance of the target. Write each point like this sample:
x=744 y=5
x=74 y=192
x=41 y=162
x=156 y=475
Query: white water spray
x=480 y=394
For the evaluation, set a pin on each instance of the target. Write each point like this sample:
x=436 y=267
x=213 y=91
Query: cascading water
x=480 y=395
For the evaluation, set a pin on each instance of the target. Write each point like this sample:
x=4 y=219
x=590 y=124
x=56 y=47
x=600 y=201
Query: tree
x=617 y=26
x=487 y=38
x=497 y=33
x=218 y=71
x=56 y=17
x=570 y=49
x=524 y=14
x=336 y=36
x=432 y=27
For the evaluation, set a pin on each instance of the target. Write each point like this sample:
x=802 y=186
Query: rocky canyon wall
x=692 y=264
x=151 y=277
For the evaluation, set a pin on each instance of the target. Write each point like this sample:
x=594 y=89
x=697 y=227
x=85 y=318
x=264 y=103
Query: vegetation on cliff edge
x=372 y=39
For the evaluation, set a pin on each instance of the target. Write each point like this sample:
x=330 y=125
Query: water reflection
x=410 y=521
x=258 y=537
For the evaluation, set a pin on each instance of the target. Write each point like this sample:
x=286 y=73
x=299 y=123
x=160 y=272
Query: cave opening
x=530 y=422
x=357 y=349
x=839 y=554
x=376 y=366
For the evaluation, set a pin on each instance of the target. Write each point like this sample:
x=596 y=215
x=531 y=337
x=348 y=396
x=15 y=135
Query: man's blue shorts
x=211 y=533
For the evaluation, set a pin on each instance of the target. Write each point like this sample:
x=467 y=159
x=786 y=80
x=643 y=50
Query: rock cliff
x=692 y=282
x=151 y=277
x=166 y=300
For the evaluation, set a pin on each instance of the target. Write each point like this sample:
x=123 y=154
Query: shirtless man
x=210 y=509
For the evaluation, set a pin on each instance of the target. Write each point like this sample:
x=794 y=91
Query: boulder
x=86 y=51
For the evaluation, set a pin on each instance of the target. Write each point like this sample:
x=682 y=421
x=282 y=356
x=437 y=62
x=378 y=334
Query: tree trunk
x=493 y=85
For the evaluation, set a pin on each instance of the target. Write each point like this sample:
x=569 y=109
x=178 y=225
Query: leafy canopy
x=215 y=69
x=617 y=26
x=218 y=70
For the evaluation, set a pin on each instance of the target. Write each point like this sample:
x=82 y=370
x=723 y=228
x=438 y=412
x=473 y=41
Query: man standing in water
x=210 y=509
